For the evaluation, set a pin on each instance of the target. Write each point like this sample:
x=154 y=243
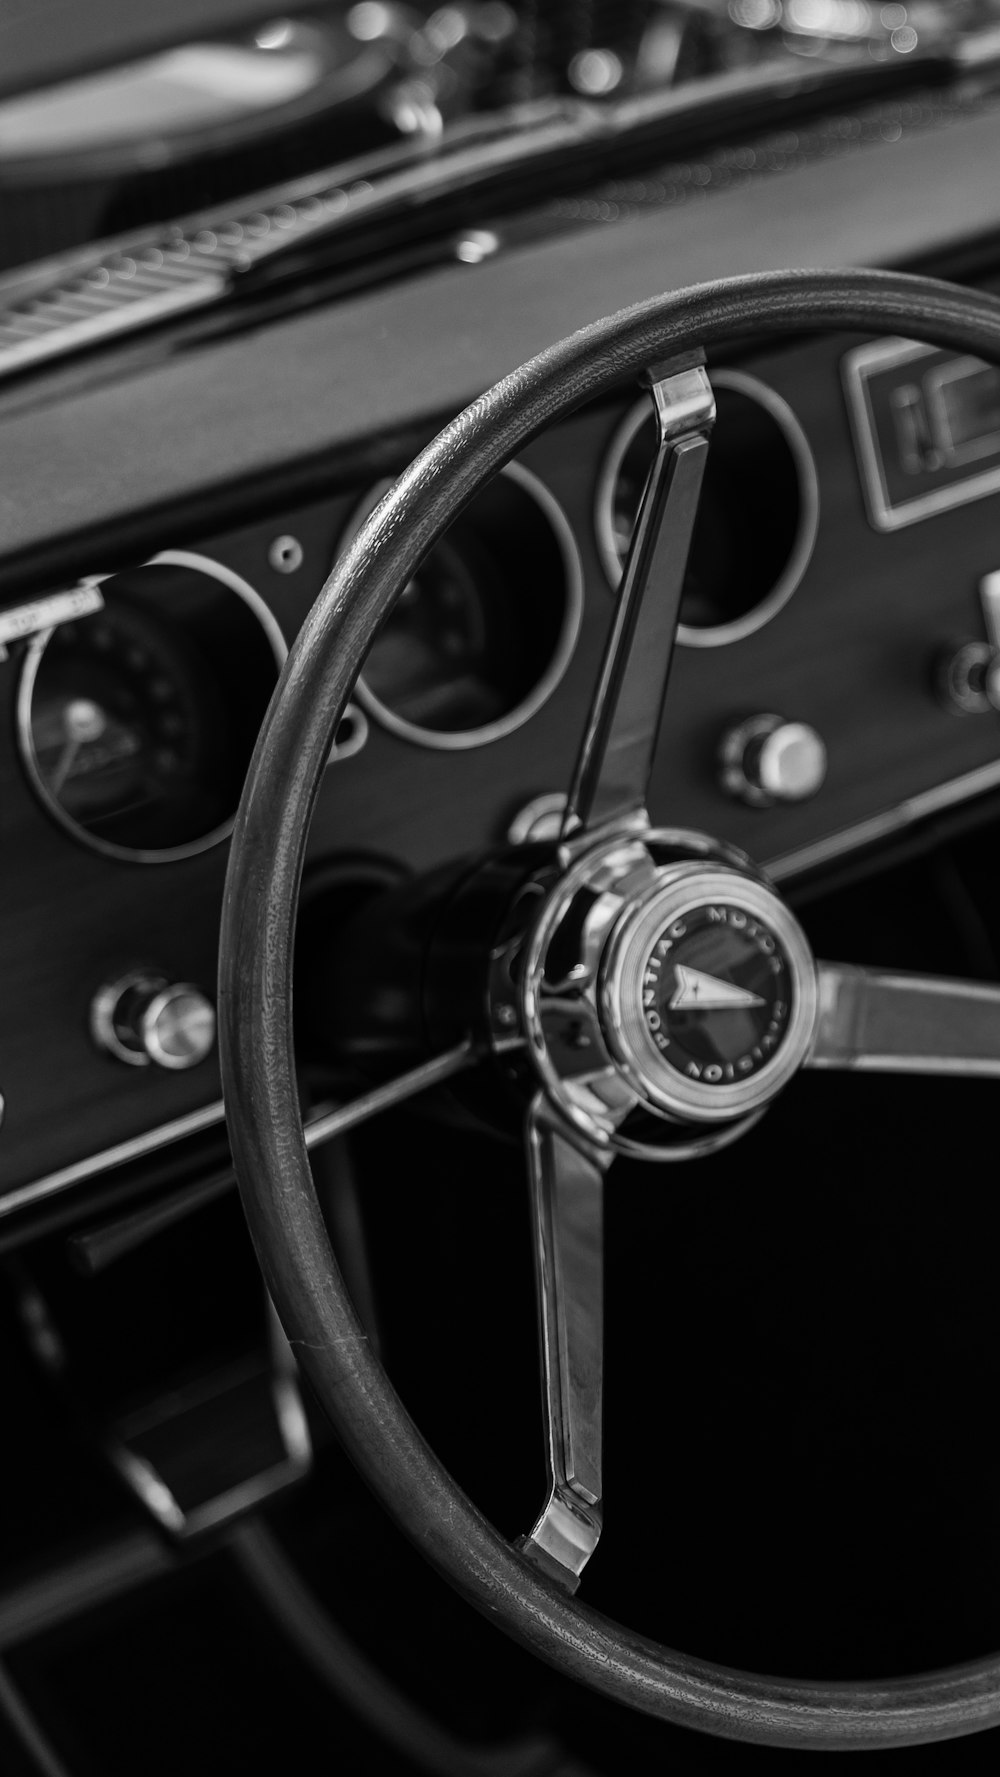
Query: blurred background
x=115 y=114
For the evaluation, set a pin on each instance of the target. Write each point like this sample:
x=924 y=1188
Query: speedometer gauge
x=121 y=729
x=137 y=722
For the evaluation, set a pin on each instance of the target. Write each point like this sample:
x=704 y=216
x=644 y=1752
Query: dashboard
x=836 y=578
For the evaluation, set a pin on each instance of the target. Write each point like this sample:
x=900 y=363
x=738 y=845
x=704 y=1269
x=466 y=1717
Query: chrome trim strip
x=891 y=820
x=340 y=1118
x=134 y=310
x=740 y=382
x=328 y=1122
x=26 y=1196
x=883 y=354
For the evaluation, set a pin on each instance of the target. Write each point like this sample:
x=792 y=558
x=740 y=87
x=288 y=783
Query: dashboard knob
x=143 y=1018
x=766 y=760
x=967 y=678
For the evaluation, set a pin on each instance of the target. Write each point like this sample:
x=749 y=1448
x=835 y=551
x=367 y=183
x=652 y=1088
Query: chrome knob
x=143 y=1018
x=968 y=678
x=766 y=760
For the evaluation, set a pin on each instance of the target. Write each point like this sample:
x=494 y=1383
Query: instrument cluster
x=137 y=713
x=137 y=710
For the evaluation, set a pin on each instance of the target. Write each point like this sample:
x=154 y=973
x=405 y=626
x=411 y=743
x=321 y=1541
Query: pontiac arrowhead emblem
x=697 y=992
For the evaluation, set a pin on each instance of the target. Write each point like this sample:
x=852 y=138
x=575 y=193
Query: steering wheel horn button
x=662 y=983
x=738 y=1043
x=708 y=995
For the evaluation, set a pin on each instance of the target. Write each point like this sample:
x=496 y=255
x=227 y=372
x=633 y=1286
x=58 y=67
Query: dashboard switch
x=765 y=760
x=968 y=677
x=143 y=1018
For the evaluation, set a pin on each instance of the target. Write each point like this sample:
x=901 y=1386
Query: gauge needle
x=83 y=721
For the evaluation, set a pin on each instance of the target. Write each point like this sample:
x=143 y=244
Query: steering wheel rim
x=255 y=1022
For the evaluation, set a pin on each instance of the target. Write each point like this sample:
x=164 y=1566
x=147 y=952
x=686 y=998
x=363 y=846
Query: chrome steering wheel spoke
x=567 y=1190
x=881 y=1021
x=612 y=770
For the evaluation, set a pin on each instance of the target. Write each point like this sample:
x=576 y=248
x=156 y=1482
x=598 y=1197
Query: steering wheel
x=631 y=990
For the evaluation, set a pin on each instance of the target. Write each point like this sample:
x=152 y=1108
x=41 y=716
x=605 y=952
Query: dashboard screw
x=285 y=555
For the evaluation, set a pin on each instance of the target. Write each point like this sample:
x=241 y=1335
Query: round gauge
x=757 y=517
x=134 y=729
x=482 y=635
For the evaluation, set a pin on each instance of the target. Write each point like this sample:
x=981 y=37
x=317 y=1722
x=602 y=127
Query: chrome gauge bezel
x=464 y=739
x=743 y=383
x=177 y=558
